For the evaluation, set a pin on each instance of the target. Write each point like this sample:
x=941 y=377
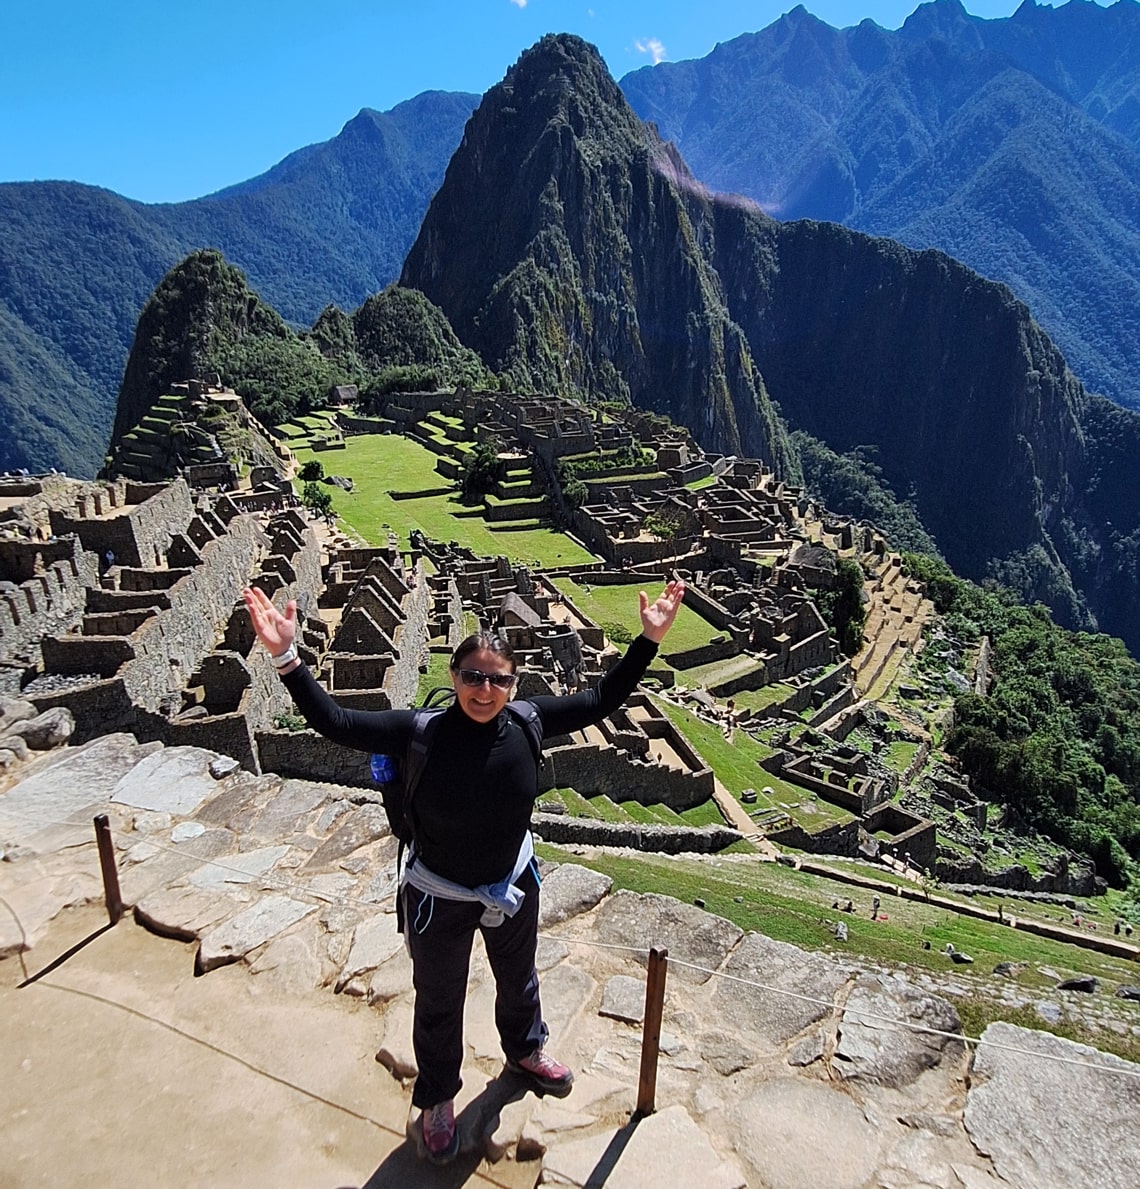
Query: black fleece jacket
x=474 y=799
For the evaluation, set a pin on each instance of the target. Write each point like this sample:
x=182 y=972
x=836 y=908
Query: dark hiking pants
x=439 y=934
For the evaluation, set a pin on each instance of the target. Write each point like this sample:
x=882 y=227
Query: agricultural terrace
x=396 y=485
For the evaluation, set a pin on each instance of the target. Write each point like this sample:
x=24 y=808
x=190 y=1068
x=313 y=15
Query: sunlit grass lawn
x=758 y=699
x=379 y=464
x=619 y=604
x=796 y=907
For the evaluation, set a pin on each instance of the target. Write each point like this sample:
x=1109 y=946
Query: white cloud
x=650 y=46
x=519 y=3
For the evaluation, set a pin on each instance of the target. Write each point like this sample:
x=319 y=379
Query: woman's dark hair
x=483 y=642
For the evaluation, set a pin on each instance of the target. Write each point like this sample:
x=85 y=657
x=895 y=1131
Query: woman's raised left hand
x=657 y=617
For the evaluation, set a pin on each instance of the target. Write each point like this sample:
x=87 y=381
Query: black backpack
x=398 y=780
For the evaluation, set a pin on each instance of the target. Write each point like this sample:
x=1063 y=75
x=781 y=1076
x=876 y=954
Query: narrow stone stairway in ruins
x=896 y=615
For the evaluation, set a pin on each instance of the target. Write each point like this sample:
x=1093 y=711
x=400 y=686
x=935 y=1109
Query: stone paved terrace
x=794 y=1074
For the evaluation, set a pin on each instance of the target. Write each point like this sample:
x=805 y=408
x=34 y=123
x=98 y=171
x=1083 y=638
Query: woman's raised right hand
x=276 y=631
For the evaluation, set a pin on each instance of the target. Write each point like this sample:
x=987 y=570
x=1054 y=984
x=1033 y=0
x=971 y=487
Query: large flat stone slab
x=291 y=811
x=374 y=941
x=788 y=982
x=77 y=779
x=365 y=825
x=174 y=780
x=670 y=1147
x=238 y=801
x=873 y=1048
x=240 y=868
x=1070 y=1121
x=183 y=912
x=569 y=890
x=248 y=929
x=798 y=1134
x=689 y=933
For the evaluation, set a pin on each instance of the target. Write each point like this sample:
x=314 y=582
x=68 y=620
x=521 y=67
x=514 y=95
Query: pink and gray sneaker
x=545 y=1075
x=436 y=1134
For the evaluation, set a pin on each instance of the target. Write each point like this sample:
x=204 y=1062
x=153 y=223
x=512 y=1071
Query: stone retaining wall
x=53 y=600
x=309 y=756
x=835 y=840
x=668 y=840
x=1081 y=882
x=705 y=654
x=594 y=771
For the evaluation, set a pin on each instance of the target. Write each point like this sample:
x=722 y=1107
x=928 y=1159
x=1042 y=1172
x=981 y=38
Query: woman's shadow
x=403 y=1167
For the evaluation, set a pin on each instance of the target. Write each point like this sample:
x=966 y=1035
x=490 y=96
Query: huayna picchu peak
x=561 y=249
x=569 y=247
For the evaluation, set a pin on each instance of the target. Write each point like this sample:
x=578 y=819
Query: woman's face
x=483 y=700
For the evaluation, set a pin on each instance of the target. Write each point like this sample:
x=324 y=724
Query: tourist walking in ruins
x=471 y=862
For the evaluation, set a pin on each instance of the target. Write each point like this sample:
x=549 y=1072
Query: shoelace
x=543 y=1064
x=439 y=1122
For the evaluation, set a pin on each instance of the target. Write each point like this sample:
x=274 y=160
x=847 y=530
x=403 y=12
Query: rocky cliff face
x=970 y=407
x=560 y=248
x=572 y=248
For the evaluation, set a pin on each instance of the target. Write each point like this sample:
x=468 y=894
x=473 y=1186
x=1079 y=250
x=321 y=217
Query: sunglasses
x=477 y=677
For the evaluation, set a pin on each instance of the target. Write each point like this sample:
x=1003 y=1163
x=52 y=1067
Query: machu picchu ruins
x=123 y=635
x=122 y=599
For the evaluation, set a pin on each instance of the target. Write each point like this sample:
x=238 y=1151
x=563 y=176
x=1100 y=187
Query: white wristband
x=285 y=659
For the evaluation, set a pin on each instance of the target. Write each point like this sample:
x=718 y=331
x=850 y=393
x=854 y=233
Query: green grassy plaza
x=380 y=464
x=607 y=605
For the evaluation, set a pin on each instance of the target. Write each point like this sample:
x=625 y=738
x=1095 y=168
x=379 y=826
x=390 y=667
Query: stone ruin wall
x=594 y=770
x=140 y=694
x=53 y=599
x=175 y=625
x=668 y=840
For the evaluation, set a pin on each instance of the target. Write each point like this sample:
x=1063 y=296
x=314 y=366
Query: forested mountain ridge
x=882 y=130
x=203 y=317
x=1011 y=144
x=573 y=251
x=331 y=222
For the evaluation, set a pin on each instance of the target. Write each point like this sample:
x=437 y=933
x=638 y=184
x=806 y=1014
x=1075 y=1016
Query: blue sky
x=163 y=101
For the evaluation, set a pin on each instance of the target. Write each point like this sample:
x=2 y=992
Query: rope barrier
x=891 y=1023
x=897 y=1025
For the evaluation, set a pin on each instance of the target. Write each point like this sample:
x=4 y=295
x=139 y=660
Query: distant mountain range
x=1011 y=144
x=572 y=249
x=330 y=223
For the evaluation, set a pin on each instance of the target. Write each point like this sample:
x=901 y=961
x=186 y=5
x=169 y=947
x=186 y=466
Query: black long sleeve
x=474 y=799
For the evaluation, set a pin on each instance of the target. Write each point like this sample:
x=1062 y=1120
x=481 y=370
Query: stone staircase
x=896 y=615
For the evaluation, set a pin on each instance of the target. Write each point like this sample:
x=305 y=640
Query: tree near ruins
x=316 y=497
x=482 y=469
x=843 y=607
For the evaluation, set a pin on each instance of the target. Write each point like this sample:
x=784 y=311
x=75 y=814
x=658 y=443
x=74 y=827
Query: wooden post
x=651 y=1033
x=111 y=892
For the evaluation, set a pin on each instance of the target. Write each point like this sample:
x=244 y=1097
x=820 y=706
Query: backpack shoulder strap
x=418 y=749
x=527 y=717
